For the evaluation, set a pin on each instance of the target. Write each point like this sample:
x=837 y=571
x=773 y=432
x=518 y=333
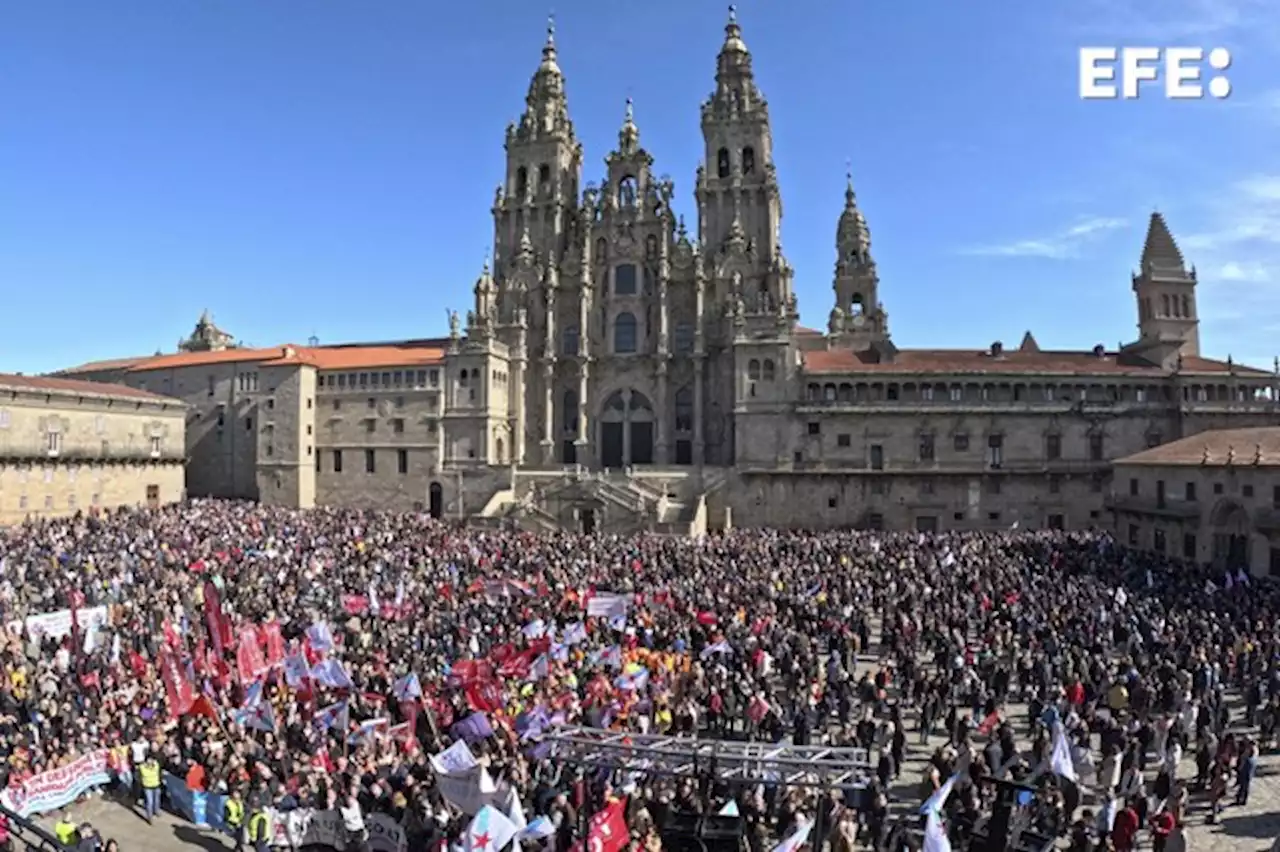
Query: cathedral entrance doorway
x=588 y=518
x=1231 y=529
x=626 y=430
x=435 y=504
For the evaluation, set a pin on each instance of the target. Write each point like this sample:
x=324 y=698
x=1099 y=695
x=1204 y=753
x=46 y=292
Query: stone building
x=620 y=371
x=1210 y=498
x=68 y=445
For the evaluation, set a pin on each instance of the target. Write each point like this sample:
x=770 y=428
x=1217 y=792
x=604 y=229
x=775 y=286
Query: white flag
x=1060 y=758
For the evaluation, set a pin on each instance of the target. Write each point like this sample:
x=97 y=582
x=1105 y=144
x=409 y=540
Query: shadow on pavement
x=195 y=837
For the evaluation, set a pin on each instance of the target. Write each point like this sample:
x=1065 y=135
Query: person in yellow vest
x=64 y=829
x=258 y=828
x=234 y=818
x=149 y=773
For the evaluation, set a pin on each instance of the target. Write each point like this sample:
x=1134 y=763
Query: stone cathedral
x=619 y=371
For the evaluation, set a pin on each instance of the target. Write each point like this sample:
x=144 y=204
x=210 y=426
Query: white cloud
x=1245 y=272
x=1170 y=21
x=1061 y=246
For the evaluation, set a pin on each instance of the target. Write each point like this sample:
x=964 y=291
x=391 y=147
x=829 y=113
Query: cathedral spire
x=853 y=237
x=546 y=107
x=1160 y=251
x=736 y=91
x=629 y=135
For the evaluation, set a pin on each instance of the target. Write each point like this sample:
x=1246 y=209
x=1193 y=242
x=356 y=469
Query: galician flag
x=798 y=838
x=490 y=831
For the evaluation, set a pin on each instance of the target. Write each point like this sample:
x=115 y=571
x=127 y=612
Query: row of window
x=54 y=444
x=1190 y=492
x=927 y=447
x=336 y=460
x=626 y=336
x=414 y=379
x=73 y=502
x=1175 y=306
x=956 y=392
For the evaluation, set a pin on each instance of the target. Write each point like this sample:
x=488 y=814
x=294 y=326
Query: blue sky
x=326 y=167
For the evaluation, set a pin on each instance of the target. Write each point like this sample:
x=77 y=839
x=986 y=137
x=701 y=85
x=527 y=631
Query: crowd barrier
x=294 y=829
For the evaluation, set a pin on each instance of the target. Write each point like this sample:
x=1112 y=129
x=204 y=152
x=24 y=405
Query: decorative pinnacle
x=551 y=29
x=733 y=13
x=630 y=116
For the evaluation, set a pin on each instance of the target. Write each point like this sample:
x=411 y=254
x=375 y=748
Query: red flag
x=249 y=662
x=274 y=643
x=213 y=618
x=202 y=706
x=989 y=724
x=607 y=831
x=177 y=687
x=484 y=697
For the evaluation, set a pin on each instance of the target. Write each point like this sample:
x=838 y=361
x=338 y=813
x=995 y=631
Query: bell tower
x=857 y=317
x=737 y=189
x=544 y=168
x=1165 y=290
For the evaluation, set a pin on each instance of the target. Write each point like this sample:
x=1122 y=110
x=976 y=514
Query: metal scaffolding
x=727 y=761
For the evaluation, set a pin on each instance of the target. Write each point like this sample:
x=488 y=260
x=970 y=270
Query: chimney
x=1099 y=351
x=997 y=349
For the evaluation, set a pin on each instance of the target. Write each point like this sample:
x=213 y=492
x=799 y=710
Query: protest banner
x=59 y=787
x=306 y=827
x=56 y=625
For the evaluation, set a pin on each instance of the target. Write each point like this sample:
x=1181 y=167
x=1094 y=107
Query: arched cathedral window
x=769 y=372
x=627 y=192
x=569 y=413
x=624 y=334
x=544 y=179
x=748 y=160
x=753 y=369
x=522 y=182
x=722 y=163
x=569 y=340
x=684 y=410
x=602 y=250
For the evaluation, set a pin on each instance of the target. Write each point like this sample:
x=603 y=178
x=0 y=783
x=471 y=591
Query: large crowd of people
x=322 y=658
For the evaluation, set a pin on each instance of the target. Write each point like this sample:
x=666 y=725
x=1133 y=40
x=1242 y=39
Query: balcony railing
x=76 y=455
x=1166 y=508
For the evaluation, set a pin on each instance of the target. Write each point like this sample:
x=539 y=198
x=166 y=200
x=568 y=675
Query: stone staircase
x=664 y=501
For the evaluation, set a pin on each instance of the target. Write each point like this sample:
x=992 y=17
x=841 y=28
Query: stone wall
x=62 y=453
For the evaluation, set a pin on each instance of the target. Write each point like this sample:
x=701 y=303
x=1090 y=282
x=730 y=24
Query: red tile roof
x=413 y=353
x=55 y=384
x=103 y=366
x=1219 y=447
x=1018 y=361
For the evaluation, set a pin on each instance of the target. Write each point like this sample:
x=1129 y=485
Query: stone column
x=548 y=412
x=516 y=401
x=582 y=441
x=699 y=365
x=626 y=428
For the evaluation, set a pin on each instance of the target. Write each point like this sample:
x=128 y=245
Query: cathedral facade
x=619 y=370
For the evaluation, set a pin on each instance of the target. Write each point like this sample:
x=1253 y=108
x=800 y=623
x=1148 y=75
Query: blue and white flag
x=319 y=637
x=330 y=673
x=407 y=688
x=935 y=836
x=721 y=647
x=295 y=670
x=258 y=716
x=540 y=669
x=559 y=652
x=935 y=803
x=535 y=629
x=575 y=633
x=490 y=831
x=798 y=838
x=539 y=828
x=335 y=715
x=633 y=678
x=618 y=618
x=368 y=729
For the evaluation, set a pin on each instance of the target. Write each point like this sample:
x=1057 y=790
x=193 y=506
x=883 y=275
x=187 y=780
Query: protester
x=319 y=659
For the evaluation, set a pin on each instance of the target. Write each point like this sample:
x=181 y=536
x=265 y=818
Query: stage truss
x=727 y=761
